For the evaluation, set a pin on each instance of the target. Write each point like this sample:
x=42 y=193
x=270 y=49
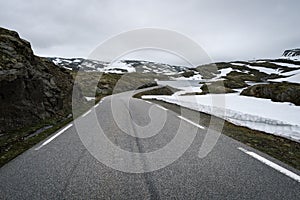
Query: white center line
x=85 y=114
x=189 y=121
x=271 y=164
x=161 y=107
x=54 y=136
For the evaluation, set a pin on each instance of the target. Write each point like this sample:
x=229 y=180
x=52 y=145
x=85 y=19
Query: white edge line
x=54 y=136
x=271 y=164
x=189 y=121
x=161 y=107
x=85 y=114
x=149 y=102
x=99 y=103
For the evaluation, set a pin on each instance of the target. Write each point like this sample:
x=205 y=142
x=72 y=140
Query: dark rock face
x=31 y=88
x=278 y=92
x=291 y=53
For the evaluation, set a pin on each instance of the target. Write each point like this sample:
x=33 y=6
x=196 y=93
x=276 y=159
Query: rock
x=188 y=74
x=32 y=89
x=278 y=92
x=147 y=85
x=291 y=53
x=215 y=88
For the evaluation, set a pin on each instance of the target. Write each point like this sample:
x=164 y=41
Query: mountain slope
x=260 y=94
x=122 y=66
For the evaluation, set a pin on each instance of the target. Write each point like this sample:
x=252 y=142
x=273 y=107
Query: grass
x=277 y=147
x=16 y=142
x=280 y=148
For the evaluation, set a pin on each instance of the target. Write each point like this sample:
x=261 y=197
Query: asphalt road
x=61 y=167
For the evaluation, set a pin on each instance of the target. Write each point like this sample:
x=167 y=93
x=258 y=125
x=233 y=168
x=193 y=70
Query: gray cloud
x=227 y=30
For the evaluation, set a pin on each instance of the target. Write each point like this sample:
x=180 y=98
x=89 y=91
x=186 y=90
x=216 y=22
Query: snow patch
x=265 y=69
x=90 y=98
x=286 y=64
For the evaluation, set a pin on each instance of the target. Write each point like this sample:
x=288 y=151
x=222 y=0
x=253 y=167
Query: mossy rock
x=207 y=71
x=234 y=83
x=188 y=74
x=215 y=88
x=278 y=92
x=166 y=90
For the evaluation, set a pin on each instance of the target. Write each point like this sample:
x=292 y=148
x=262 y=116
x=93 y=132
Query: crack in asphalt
x=153 y=191
x=69 y=177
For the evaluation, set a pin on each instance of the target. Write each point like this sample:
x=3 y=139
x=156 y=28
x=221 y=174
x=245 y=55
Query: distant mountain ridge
x=235 y=75
x=121 y=66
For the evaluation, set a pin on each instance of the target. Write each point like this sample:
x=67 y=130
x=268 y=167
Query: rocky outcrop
x=279 y=92
x=291 y=53
x=31 y=88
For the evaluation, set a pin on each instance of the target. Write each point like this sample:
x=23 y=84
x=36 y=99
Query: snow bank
x=281 y=119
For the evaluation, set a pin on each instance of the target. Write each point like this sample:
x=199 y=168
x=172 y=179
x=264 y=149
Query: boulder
x=278 y=92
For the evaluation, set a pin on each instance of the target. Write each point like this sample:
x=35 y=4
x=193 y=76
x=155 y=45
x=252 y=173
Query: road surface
x=61 y=167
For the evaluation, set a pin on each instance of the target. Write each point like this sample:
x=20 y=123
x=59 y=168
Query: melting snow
x=120 y=65
x=286 y=64
x=238 y=64
x=90 y=98
x=281 y=119
x=224 y=72
x=265 y=69
x=194 y=77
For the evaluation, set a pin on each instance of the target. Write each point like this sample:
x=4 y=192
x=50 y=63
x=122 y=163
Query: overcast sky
x=225 y=29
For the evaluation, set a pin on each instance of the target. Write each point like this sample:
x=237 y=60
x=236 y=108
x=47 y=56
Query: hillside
x=118 y=67
x=260 y=94
x=32 y=89
x=234 y=76
x=36 y=93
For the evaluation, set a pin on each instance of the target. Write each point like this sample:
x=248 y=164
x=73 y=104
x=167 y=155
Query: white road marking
x=189 y=121
x=54 y=136
x=162 y=107
x=271 y=164
x=96 y=105
x=149 y=102
x=85 y=114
